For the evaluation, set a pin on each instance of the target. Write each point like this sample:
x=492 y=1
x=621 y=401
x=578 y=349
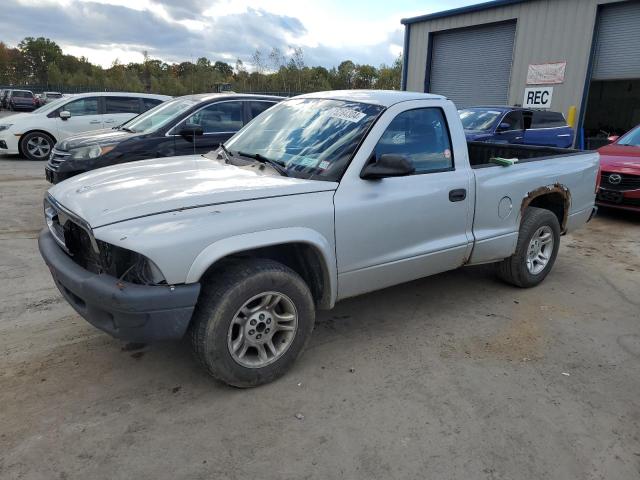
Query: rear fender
x=557 y=188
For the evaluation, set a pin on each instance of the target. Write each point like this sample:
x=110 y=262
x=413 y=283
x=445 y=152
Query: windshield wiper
x=278 y=167
x=226 y=151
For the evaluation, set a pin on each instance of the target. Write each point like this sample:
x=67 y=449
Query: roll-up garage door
x=472 y=66
x=618 y=42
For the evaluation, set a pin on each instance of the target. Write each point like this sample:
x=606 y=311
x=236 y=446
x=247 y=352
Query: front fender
x=239 y=243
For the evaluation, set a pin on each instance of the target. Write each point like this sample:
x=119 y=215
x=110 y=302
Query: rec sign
x=537 y=97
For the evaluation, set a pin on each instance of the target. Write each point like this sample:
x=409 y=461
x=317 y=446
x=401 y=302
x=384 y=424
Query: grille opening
x=627 y=181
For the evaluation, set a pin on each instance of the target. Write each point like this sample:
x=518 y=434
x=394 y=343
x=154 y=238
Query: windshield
x=158 y=116
x=308 y=137
x=479 y=120
x=631 y=138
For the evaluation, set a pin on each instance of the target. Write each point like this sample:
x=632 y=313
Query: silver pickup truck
x=322 y=197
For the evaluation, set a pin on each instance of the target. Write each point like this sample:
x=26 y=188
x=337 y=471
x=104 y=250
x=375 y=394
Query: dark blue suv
x=516 y=125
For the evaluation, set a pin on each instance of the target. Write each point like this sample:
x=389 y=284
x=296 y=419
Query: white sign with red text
x=546 y=73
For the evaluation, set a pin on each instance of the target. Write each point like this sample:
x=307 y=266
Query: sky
x=328 y=31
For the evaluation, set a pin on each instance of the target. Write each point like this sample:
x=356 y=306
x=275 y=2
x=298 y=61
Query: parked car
x=190 y=124
x=48 y=97
x=516 y=126
x=326 y=196
x=620 y=172
x=21 y=100
x=2 y=92
x=4 y=96
x=34 y=135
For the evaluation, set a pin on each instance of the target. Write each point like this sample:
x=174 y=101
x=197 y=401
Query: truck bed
x=481 y=153
x=501 y=192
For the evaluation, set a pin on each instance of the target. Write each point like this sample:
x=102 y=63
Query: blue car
x=516 y=125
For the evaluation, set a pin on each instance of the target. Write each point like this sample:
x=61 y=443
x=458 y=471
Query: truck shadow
x=357 y=323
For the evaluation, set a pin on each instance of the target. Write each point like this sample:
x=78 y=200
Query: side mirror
x=388 y=165
x=190 y=130
x=503 y=127
x=64 y=114
x=613 y=138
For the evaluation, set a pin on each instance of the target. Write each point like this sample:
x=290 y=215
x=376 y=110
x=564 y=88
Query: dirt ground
x=457 y=376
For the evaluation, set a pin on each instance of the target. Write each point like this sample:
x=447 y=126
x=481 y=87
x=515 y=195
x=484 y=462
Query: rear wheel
x=536 y=251
x=36 y=145
x=252 y=321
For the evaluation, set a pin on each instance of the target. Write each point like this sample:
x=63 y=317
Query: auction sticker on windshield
x=346 y=114
x=306 y=162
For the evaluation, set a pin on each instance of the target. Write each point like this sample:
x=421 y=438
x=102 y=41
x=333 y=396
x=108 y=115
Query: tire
x=515 y=269
x=218 y=322
x=36 y=145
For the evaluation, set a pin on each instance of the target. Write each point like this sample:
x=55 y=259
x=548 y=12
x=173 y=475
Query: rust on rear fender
x=558 y=188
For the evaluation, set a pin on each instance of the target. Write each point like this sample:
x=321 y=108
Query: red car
x=620 y=172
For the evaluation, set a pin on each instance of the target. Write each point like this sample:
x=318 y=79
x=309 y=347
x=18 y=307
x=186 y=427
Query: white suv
x=34 y=134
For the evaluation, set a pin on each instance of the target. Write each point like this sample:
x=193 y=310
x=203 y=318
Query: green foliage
x=41 y=62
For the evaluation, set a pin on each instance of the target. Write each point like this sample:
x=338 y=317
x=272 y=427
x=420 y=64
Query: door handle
x=95 y=122
x=457 y=195
x=109 y=121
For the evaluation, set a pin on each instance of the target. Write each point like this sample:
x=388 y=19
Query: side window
x=514 y=119
x=548 y=120
x=82 y=106
x=256 y=108
x=422 y=136
x=122 y=105
x=219 y=117
x=148 y=103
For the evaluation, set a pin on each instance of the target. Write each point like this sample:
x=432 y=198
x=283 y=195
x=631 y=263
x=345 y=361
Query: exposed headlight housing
x=129 y=266
x=6 y=126
x=90 y=152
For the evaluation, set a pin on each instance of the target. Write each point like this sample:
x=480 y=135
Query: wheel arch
x=556 y=198
x=304 y=250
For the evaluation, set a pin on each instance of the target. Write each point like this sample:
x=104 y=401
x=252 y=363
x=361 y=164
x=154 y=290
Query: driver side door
x=219 y=122
x=510 y=129
x=397 y=229
x=85 y=116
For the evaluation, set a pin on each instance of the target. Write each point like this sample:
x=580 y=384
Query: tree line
x=40 y=62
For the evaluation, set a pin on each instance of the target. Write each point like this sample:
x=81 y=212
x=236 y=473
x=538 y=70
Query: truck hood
x=620 y=159
x=137 y=189
x=95 y=137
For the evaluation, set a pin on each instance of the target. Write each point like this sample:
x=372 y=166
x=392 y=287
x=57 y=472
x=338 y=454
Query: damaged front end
x=129 y=266
x=76 y=238
x=115 y=289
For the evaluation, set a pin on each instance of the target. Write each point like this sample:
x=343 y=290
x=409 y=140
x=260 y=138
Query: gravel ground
x=456 y=376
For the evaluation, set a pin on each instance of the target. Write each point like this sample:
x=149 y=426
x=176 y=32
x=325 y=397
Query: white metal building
x=561 y=53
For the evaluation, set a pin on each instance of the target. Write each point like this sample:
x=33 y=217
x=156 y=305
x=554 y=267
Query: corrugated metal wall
x=479 y=59
x=618 y=53
x=547 y=31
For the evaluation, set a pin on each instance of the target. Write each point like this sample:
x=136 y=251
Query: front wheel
x=536 y=251
x=252 y=321
x=36 y=145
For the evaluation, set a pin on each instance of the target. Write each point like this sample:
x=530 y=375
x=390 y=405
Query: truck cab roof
x=384 y=98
